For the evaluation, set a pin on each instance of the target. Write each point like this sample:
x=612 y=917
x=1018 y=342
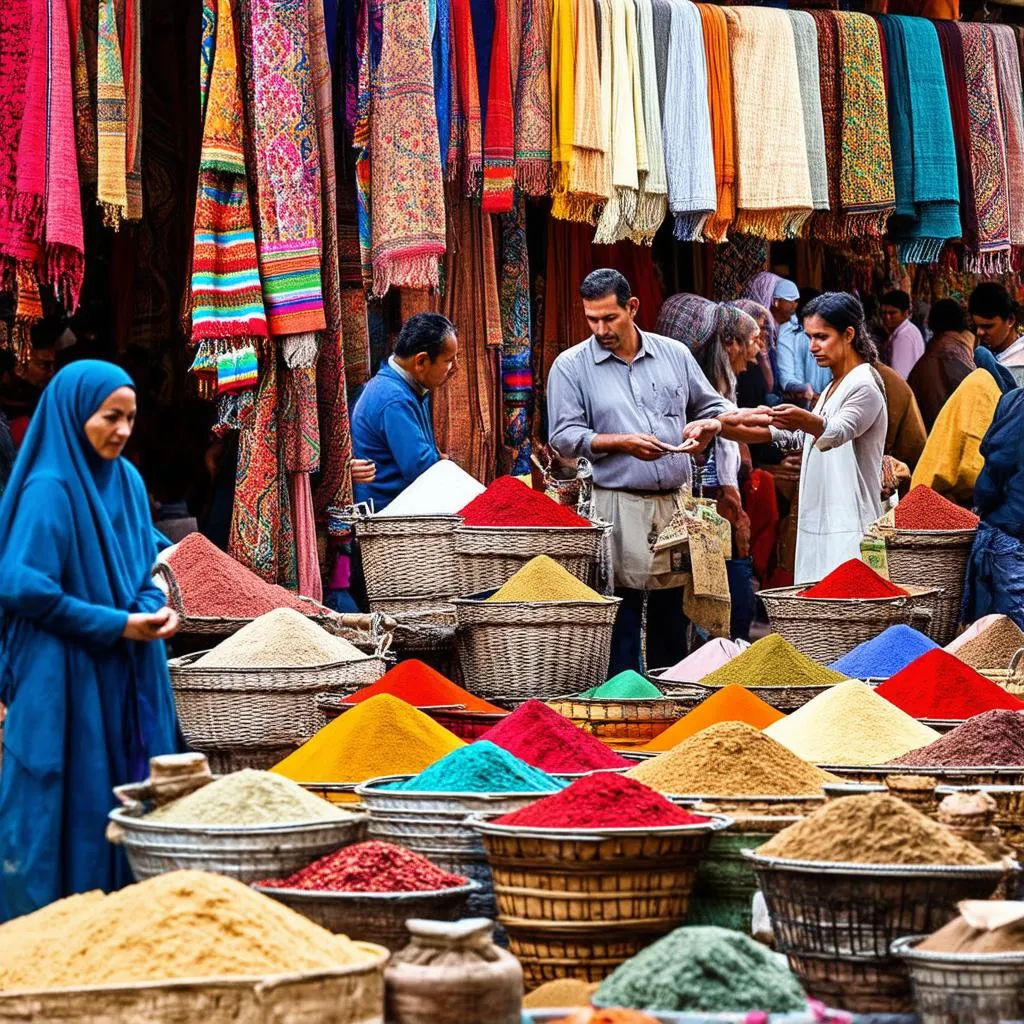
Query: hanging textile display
x=131 y=49
x=652 y=203
x=773 y=196
x=466 y=152
x=441 y=32
x=499 y=133
x=82 y=19
x=562 y=87
x=923 y=150
x=111 y=119
x=805 y=37
x=823 y=223
x=1008 y=80
x=736 y=262
x=532 y=121
x=720 y=108
x=367 y=28
x=516 y=370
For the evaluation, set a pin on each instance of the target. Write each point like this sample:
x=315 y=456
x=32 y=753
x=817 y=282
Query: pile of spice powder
x=704 y=968
x=603 y=800
x=439 y=491
x=994 y=738
x=247 y=798
x=850 y=724
x=874 y=828
x=731 y=759
x=940 y=686
x=993 y=649
x=214 y=585
x=961 y=937
x=561 y=992
x=772 y=661
x=370 y=867
x=381 y=736
x=509 y=502
x=886 y=654
x=548 y=741
x=925 y=509
x=281 y=638
x=708 y=657
x=627 y=685
x=543 y=579
x=423 y=687
x=611 y=1015
x=176 y=926
x=853 y=579
x=480 y=767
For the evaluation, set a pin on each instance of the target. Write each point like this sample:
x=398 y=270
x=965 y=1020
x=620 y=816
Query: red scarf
x=499 y=131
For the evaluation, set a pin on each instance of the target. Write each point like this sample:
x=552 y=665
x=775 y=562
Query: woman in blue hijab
x=83 y=670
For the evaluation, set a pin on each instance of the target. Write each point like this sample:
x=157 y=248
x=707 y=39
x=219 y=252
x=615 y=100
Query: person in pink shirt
x=906 y=345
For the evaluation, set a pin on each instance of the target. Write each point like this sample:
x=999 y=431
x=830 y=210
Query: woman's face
x=736 y=352
x=110 y=426
x=828 y=346
x=755 y=346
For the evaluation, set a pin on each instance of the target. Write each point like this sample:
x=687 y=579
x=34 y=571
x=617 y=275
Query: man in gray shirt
x=634 y=404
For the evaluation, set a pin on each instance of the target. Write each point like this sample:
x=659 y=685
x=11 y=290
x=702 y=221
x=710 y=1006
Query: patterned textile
x=441 y=52
x=111 y=120
x=85 y=109
x=652 y=203
x=516 y=369
x=298 y=421
x=408 y=193
x=736 y=262
x=466 y=154
x=533 y=100
x=309 y=581
x=285 y=155
x=356 y=333
x=720 y=106
x=1009 y=80
x=132 y=57
x=805 y=35
x=563 y=84
x=825 y=222
x=499 y=134
x=690 y=319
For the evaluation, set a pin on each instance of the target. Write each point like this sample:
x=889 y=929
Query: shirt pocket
x=670 y=400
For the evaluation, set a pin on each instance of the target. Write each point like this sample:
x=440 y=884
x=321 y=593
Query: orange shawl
x=716 y=48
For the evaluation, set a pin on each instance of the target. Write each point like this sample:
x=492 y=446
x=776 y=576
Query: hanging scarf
x=652 y=203
x=824 y=224
x=132 y=63
x=514 y=298
x=805 y=35
x=563 y=85
x=720 y=107
x=286 y=159
x=111 y=120
x=441 y=31
x=923 y=151
x=533 y=100
x=367 y=24
x=82 y=16
x=499 y=134
x=1009 y=81
x=466 y=156
x=408 y=194
x=662 y=32
x=773 y=196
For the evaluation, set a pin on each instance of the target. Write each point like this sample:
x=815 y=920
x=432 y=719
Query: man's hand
x=701 y=431
x=642 y=446
x=363 y=471
x=161 y=625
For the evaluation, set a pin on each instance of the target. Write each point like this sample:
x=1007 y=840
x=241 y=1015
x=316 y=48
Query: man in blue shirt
x=800 y=376
x=392 y=425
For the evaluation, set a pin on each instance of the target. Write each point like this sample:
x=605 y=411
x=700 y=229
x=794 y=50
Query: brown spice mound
x=731 y=759
x=564 y=992
x=960 y=937
x=875 y=828
x=993 y=648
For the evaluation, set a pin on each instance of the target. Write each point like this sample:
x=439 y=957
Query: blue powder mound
x=480 y=767
x=888 y=653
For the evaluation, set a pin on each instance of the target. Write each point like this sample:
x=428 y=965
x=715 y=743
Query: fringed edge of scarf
x=651 y=210
x=534 y=175
x=25 y=209
x=579 y=209
x=689 y=226
x=300 y=351
x=921 y=250
x=772 y=225
x=413 y=268
x=996 y=261
x=64 y=268
x=867 y=223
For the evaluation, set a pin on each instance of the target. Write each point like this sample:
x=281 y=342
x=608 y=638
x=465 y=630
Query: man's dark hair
x=424 y=332
x=989 y=300
x=898 y=299
x=599 y=284
x=946 y=315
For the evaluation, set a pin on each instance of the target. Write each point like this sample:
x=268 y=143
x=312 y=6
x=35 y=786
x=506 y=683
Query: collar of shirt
x=1010 y=356
x=407 y=377
x=602 y=355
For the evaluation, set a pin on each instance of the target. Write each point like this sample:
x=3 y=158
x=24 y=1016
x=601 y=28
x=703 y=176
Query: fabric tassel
x=300 y=351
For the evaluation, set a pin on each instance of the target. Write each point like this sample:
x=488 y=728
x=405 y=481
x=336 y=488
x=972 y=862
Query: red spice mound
x=509 y=502
x=543 y=738
x=602 y=800
x=369 y=867
x=925 y=509
x=422 y=687
x=854 y=579
x=214 y=585
x=939 y=685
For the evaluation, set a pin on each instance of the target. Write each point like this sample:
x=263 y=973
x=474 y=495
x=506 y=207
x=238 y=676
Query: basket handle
x=166 y=573
x=1015 y=660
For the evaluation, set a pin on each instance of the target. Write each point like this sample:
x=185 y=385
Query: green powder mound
x=772 y=661
x=628 y=685
x=703 y=968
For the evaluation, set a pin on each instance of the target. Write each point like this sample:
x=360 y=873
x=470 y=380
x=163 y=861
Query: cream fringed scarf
x=773 y=196
x=652 y=204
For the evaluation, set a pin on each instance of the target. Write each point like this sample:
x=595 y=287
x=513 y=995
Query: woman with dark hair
x=947 y=360
x=842 y=439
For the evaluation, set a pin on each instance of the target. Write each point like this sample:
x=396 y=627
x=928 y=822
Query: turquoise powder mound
x=481 y=767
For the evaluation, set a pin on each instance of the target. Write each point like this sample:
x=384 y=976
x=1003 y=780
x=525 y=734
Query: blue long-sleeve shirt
x=797 y=367
x=392 y=426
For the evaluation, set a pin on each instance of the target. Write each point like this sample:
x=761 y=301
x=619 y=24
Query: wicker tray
x=836 y=922
x=621 y=721
x=420 y=624
x=249 y=854
x=408 y=556
x=518 y=650
x=986 y=775
x=826 y=629
x=345 y=995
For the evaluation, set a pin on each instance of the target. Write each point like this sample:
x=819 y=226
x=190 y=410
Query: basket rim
x=715 y=823
x=335 y=700
x=931 y=533
x=378 y=787
x=592 y=525
x=185 y=663
x=423 y=519
x=334 y=896
x=137 y=823
x=630 y=702
x=932 y=722
x=906 y=947
x=974 y=787
x=831 y=867
x=782 y=593
x=605 y=599
x=749 y=798
x=926 y=769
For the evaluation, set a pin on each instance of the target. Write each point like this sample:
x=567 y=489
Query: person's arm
x=412 y=451
x=789 y=372
x=859 y=410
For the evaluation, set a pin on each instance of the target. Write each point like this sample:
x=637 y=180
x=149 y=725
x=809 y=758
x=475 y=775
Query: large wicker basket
x=408 y=556
x=576 y=904
x=1009 y=815
x=487 y=557
x=421 y=625
x=835 y=922
x=622 y=722
x=938 y=556
x=982 y=775
x=345 y=995
x=254 y=717
x=825 y=629
x=518 y=650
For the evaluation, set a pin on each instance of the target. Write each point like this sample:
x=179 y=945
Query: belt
x=673 y=492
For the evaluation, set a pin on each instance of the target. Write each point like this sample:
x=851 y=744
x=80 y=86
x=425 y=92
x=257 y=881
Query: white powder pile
x=442 y=490
x=282 y=638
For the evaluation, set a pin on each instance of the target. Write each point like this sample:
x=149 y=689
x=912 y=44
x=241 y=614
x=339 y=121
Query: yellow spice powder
x=543 y=579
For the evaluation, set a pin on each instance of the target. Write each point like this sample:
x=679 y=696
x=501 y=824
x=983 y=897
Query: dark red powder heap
x=938 y=685
x=854 y=579
x=509 y=502
x=603 y=800
x=214 y=585
x=925 y=509
x=543 y=738
x=369 y=867
x=994 y=739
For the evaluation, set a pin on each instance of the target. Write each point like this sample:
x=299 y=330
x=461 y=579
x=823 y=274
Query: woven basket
x=986 y=775
x=825 y=629
x=344 y=995
x=408 y=556
x=1009 y=816
x=382 y=915
x=248 y=853
x=487 y=557
x=576 y=904
x=939 y=556
x=467 y=725
x=835 y=922
x=628 y=722
x=259 y=715
x=782 y=698
x=518 y=650
x=746 y=808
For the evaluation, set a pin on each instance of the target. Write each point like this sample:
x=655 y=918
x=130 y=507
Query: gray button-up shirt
x=590 y=392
